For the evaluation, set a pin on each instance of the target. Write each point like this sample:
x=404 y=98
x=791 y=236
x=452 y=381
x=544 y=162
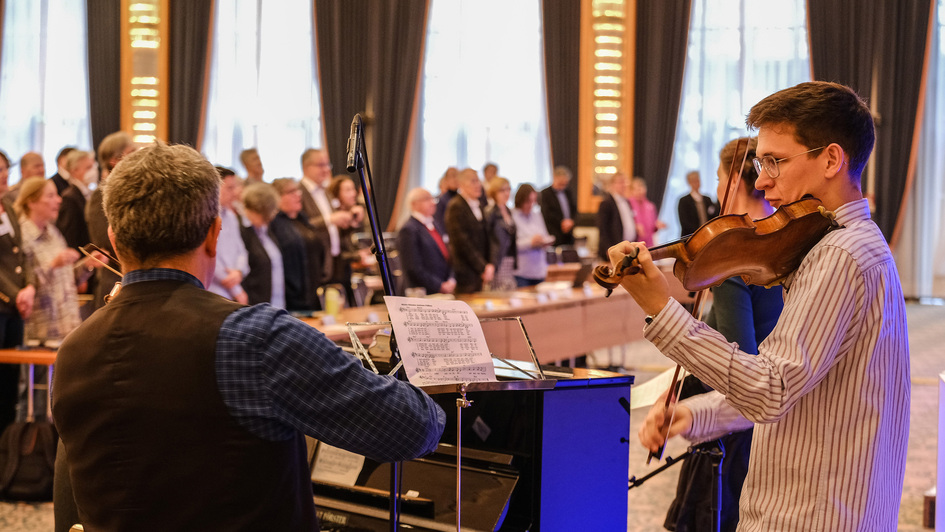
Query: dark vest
x=13 y=266
x=151 y=445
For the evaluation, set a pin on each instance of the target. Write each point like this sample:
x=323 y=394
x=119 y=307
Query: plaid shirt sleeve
x=278 y=375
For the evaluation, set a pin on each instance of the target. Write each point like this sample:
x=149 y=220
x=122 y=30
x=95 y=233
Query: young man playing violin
x=828 y=392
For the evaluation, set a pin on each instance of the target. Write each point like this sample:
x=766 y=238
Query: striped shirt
x=828 y=391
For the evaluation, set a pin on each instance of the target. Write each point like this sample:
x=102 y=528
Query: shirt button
x=16 y=249
x=18 y=269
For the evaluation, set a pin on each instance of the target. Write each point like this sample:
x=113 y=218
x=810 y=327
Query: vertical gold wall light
x=606 y=101
x=144 y=65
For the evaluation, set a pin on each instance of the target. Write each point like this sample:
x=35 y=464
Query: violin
x=763 y=252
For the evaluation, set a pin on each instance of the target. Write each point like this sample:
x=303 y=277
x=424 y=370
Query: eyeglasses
x=770 y=164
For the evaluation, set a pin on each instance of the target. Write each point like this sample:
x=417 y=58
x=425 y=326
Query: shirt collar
x=848 y=213
x=79 y=184
x=425 y=220
x=160 y=274
x=854 y=211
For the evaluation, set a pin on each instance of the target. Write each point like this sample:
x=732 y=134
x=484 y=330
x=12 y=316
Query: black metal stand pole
x=670 y=461
x=358 y=160
x=717 y=456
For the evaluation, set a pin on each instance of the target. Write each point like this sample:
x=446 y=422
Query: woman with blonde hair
x=56 y=304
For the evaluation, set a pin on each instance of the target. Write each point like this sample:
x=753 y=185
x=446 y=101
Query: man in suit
x=250 y=160
x=423 y=254
x=316 y=205
x=694 y=208
x=32 y=165
x=558 y=207
x=61 y=177
x=111 y=150
x=469 y=240
x=615 y=220
x=71 y=221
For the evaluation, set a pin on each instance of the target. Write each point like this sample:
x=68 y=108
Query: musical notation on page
x=440 y=342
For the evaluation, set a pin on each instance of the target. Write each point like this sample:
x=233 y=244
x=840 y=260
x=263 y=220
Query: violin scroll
x=609 y=278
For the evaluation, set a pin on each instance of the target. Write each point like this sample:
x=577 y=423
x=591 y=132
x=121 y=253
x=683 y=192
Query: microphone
x=353 y=142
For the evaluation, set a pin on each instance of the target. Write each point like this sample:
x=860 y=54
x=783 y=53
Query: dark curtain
x=905 y=26
x=661 y=43
x=844 y=53
x=190 y=26
x=104 y=52
x=369 y=60
x=561 y=32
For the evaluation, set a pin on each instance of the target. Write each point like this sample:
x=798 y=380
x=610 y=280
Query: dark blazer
x=299 y=288
x=61 y=183
x=314 y=214
x=553 y=214
x=439 y=217
x=501 y=237
x=105 y=279
x=469 y=245
x=689 y=216
x=258 y=282
x=15 y=269
x=422 y=261
x=609 y=225
x=71 y=221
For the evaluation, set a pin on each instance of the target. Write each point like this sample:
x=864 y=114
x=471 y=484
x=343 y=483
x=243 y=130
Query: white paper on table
x=337 y=466
x=440 y=342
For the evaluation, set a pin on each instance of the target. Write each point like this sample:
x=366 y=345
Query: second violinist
x=828 y=391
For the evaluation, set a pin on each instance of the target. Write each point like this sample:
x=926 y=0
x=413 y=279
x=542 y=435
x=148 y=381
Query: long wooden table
x=561 y=324
x=40 y=356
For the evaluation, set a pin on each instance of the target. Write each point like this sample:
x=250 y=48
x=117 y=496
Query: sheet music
x=337 y=466
x=440 y=342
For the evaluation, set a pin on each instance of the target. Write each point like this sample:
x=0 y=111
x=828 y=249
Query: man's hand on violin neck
x=649 y=287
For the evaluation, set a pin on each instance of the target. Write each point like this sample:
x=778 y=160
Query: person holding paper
x=181 y=410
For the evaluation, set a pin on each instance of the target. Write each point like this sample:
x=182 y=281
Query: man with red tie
x=424 y=257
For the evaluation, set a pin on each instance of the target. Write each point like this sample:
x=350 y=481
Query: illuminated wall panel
x=144 y=69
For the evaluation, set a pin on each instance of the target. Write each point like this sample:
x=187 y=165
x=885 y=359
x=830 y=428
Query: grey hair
x=262 y=199
x=161 y=202
x=111 y=147
x=562 y=170
x=75 y=156
x=415 y=195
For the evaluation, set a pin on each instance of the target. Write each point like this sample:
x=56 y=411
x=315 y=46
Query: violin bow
x=675 y=386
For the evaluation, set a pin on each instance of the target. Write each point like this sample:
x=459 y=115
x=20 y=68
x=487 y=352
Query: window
x=731 y=64
x=263 y=89
x=44 y=90
x=483 y=97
